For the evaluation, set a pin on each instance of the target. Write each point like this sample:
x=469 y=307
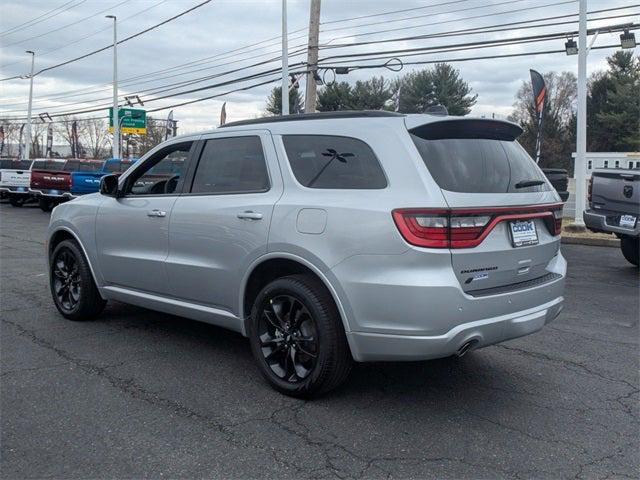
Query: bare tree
x=95 y=136
x=38 y=138
x=11 y=137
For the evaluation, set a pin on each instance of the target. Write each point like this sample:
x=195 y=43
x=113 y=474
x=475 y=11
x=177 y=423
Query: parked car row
x=53 y=181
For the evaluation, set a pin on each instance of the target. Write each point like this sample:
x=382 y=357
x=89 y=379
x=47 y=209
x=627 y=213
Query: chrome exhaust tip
x=465 y=348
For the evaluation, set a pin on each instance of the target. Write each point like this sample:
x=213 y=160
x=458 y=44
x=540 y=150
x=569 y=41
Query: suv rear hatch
x=503 y=219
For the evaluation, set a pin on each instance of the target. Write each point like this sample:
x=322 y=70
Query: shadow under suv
x=325 y=238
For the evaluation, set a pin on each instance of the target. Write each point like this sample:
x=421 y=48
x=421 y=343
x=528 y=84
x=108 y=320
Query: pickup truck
x=51 y=180
x=15 y=176
x=614 y=207
x=83 y=182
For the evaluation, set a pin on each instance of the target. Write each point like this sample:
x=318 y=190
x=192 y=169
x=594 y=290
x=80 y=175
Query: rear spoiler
x=450 y=128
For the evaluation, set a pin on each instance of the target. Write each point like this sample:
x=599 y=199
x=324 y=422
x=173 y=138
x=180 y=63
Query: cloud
x=226 y=25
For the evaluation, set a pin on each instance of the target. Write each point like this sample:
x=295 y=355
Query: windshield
x=480 y=165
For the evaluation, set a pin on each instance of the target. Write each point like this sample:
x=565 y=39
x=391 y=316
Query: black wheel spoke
x=288 y=338
x=66 y=280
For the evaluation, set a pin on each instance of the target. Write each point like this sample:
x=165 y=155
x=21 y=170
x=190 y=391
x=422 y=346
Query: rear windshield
x=80 y=166
x=15 y=164
x=47 y=165
x=480 y=165
x=117 y=167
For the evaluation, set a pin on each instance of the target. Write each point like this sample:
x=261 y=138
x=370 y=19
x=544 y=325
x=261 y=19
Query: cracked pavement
x=140 y=394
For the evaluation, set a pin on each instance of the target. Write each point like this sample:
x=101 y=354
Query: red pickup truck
x=51 y=180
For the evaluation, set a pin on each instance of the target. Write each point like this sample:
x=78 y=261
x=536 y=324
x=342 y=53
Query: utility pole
x=27 y=150
x=312 y=57
x=114 y=115
x=581 y=134
x=285 y=61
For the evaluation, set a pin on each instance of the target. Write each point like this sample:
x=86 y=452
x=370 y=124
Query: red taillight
x=466 y=228
x=590 y=190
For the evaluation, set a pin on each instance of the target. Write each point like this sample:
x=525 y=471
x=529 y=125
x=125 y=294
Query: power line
x=78 y=40
x=33 y=21
x=65 y=26
x=130 y=37
x=444 y=22
x=492 y=28
x=392 y=12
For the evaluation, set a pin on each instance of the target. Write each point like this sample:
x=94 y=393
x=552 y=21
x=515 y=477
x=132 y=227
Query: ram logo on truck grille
x=627 y=191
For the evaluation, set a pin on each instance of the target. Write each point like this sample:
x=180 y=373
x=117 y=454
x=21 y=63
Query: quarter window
x=231 y=165
x=324 y=161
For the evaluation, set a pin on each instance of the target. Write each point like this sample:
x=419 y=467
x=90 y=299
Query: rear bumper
x=367 y=347
x=51 y=193
x=399 y=308
x=20 y=190
x=597 y=221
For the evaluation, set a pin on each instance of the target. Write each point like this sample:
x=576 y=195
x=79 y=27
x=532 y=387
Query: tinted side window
x=231 y=165
x=163 y=174
x=324 y=161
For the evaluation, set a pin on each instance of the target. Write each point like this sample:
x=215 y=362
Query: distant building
x=610 y=160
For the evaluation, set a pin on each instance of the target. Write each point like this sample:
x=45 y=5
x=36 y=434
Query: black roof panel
x=316 y=116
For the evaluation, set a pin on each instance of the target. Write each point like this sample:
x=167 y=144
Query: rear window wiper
x=529 y=183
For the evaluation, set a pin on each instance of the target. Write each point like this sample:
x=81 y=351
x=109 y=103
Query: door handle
x=249 y=215
x=156 y=213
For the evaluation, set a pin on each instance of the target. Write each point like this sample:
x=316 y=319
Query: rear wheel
x=630 y=247
x=17 y=200
x=45 y=204
x=297 y=337
x=72 y=287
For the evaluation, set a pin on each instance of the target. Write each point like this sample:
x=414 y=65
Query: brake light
x=590 y=190
x=466 y=228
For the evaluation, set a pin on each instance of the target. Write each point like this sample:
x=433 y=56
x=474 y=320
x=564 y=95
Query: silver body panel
x=397 y=301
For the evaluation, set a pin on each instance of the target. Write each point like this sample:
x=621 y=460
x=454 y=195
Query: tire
x=45 y=204
x=72 y=287
x=321 y=359
x=630 y=247
x=17 y=200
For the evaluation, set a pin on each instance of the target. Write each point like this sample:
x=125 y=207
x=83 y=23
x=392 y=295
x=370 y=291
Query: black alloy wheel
x=297 y=337
x=72 y=285
x=288 y=338
x=66 y=280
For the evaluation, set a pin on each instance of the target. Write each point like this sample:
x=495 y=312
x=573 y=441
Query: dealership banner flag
x=49 y=141
x=74 y=139
x=1 y=139
x=539 y=94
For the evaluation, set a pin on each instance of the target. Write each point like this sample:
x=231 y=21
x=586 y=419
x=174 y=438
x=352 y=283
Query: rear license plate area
x=627 y=221
x=523 y=233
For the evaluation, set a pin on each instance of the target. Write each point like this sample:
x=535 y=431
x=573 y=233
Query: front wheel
x=630 y=247
x=297 y=337
x=74 y=292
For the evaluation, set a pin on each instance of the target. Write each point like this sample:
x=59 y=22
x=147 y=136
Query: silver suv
x=325 y=238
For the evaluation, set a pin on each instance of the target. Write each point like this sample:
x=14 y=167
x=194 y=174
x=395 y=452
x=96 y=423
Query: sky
x=218 y=37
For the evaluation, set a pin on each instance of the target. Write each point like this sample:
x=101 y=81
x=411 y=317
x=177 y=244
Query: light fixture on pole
x=114 y=114
x=628 y=39
x=571 y=47
x=27 y=150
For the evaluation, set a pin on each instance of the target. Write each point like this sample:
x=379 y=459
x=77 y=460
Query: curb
x=594 y=242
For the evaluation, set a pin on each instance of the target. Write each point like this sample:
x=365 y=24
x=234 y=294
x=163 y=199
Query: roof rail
x=316 y=116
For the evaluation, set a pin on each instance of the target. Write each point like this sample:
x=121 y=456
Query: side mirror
x=109 y=185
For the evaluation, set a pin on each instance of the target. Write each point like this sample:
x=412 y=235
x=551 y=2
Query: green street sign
x=132 y=120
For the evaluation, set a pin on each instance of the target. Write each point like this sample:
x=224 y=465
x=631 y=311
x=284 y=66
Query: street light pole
x=581 y=134
x=285 y=61
x=114 y=115
x=27 y=150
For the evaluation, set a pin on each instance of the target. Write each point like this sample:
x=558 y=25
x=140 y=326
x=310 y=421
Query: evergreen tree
x=372 y=94
x=613 y=106
x=335 y=96
x=274 y=102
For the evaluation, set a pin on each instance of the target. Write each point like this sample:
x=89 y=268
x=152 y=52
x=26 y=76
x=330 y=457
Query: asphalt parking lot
x=142 y=394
